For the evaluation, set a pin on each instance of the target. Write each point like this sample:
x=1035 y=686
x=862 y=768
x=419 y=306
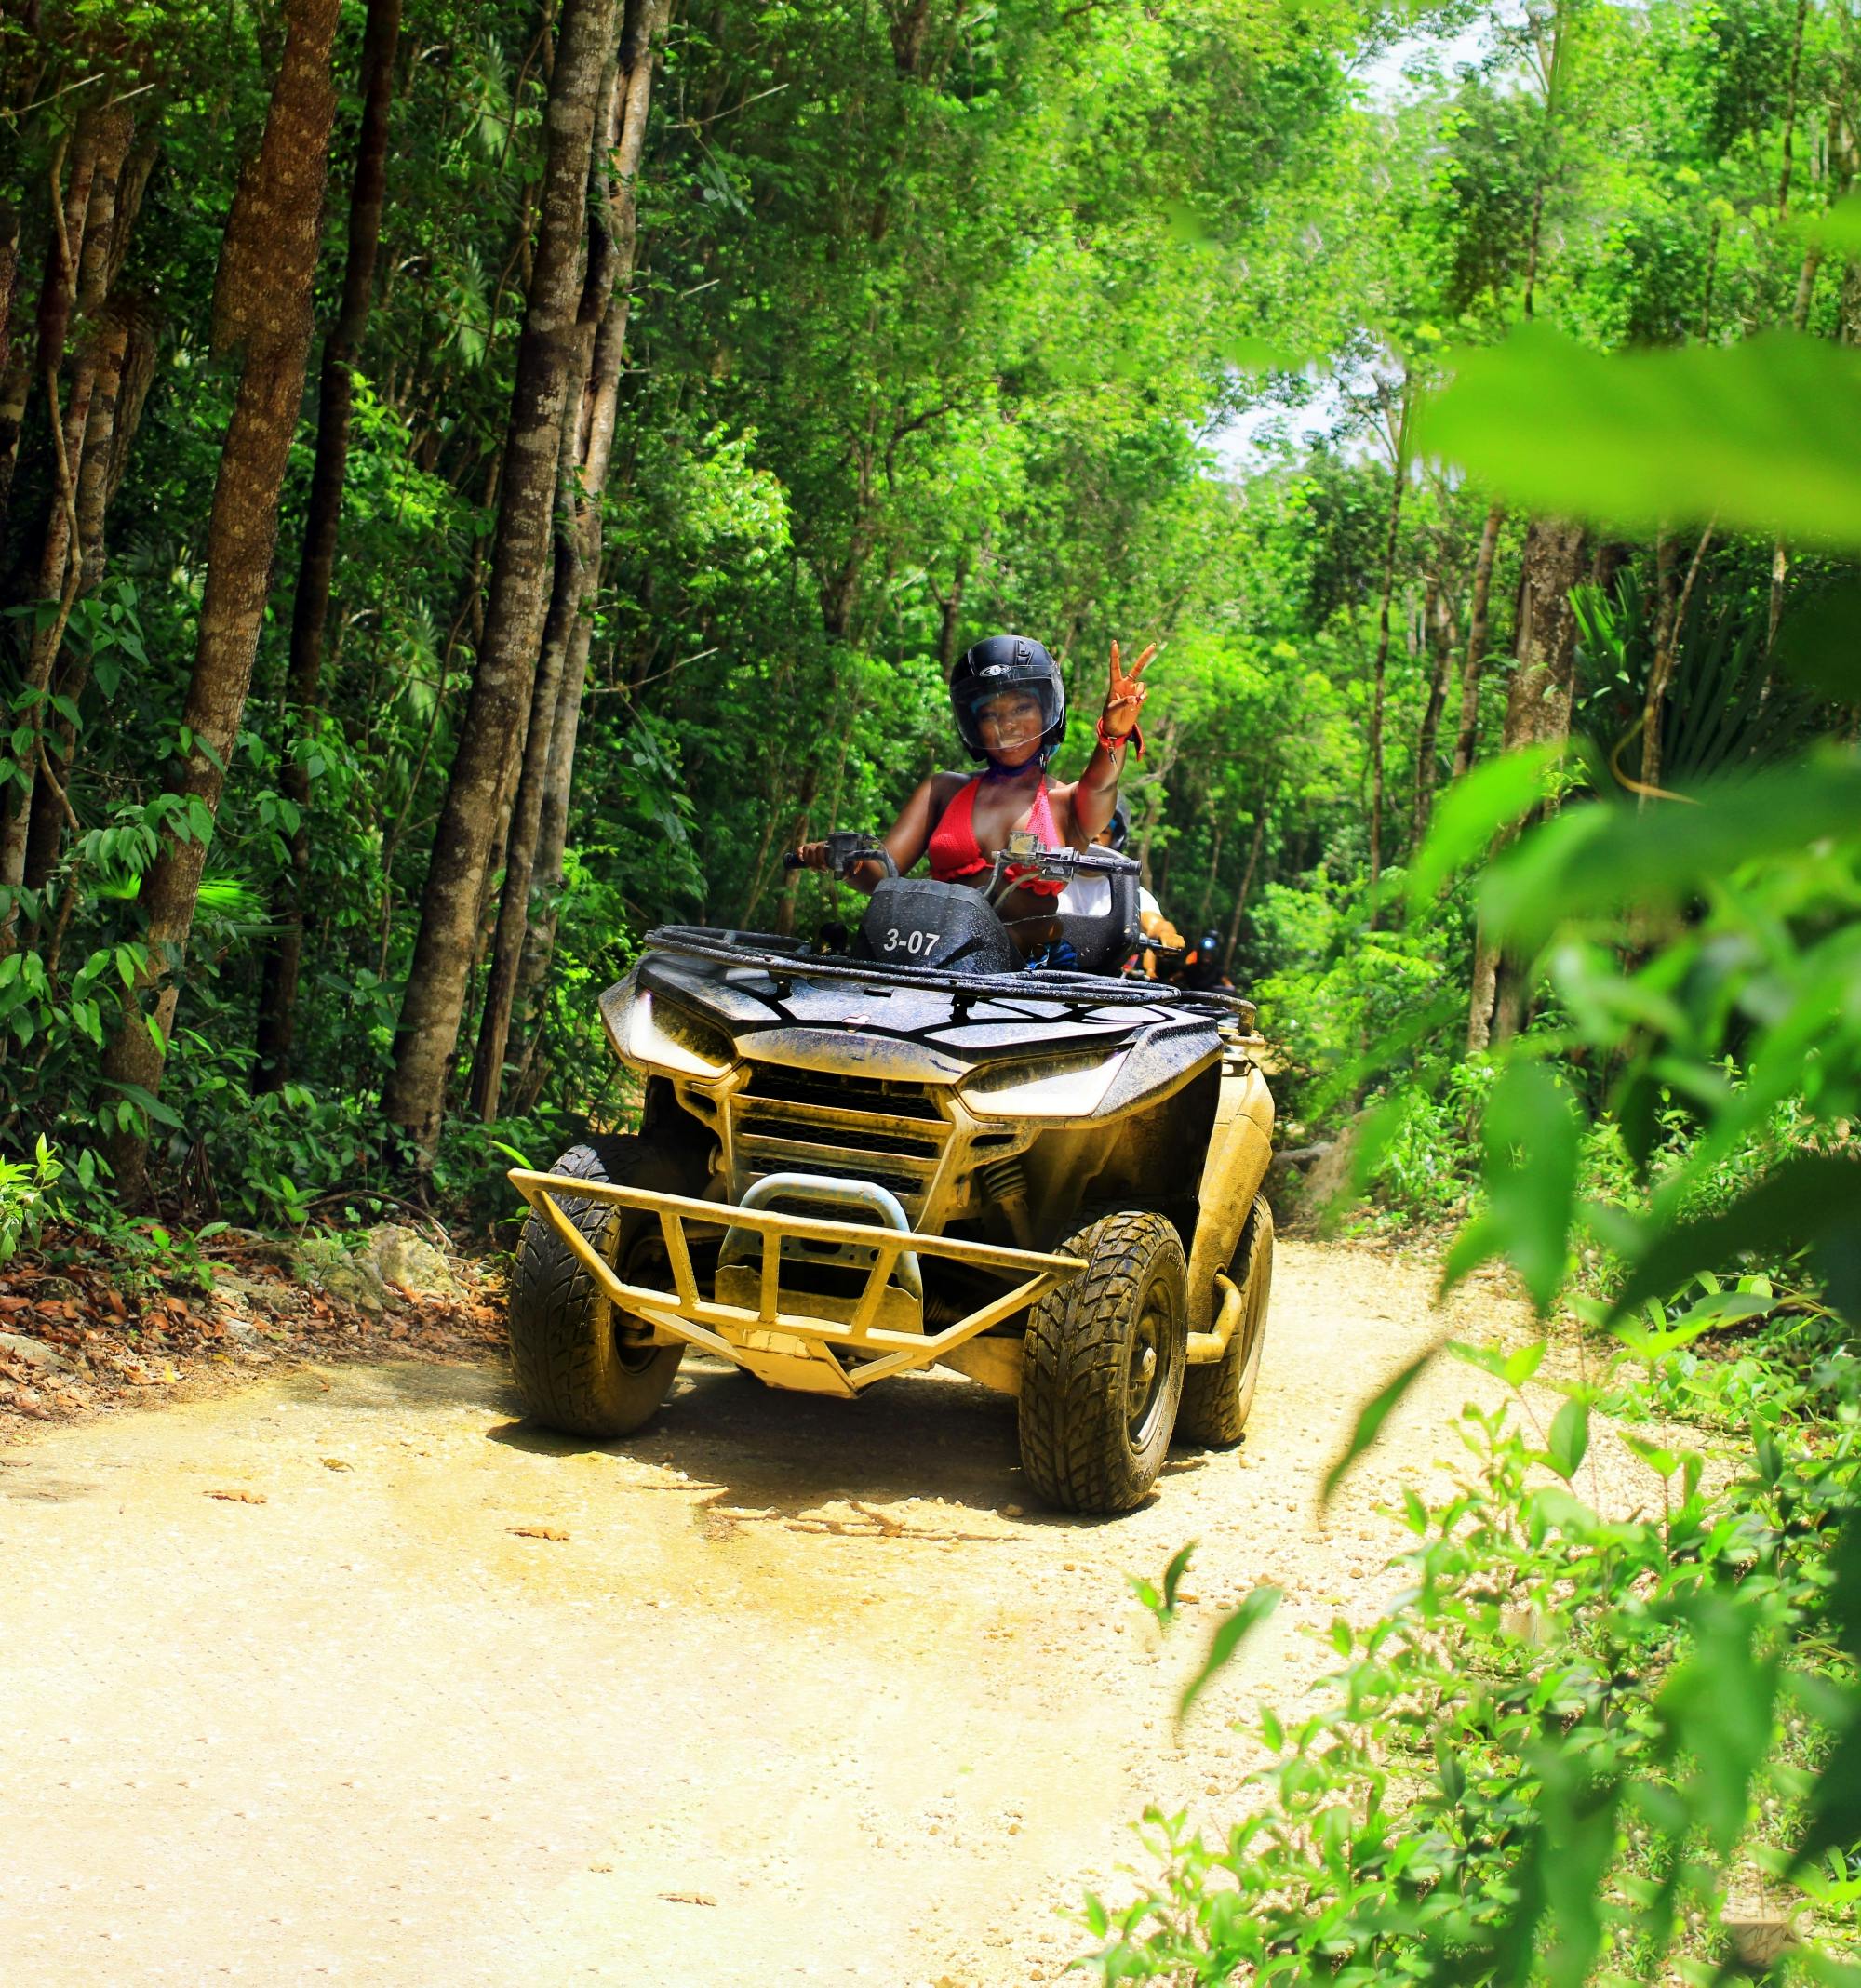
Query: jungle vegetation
x=478 y=481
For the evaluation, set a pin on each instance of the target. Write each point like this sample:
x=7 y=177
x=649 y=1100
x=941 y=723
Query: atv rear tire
x=1216 y=1398
x=577 y=1366
x=1101 y=1369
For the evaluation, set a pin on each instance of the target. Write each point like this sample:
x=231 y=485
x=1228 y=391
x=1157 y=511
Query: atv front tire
x=1216 y=1398
x=1101 y=1369
x=581 y=1366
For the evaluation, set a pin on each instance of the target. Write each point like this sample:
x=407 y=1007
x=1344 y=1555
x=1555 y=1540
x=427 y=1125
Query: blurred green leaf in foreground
x=1760 y=436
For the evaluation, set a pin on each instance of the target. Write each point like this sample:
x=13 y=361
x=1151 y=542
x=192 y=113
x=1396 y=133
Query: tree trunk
x=76 y=157
x=552 y=836
x=414 y=1097
x=15 y=377
x=1661 y=672
x=501 y=985
x=1218 y=824
x=1466 y=737
x=115 y=411
x=1790 y=111
x=262 y=302
x=14 y=370
x=1246 y=885
x=9 y=265
x=589 y=447
x=1780 y=564
x=45 y=814
x=64 y=244
x=1438 y=623
x=310 y=610
x=76 y=277
x=1538 y=708
x=950 y=618
x=1380 y=671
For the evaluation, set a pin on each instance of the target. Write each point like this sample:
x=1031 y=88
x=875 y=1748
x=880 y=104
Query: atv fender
x=1240 y=1145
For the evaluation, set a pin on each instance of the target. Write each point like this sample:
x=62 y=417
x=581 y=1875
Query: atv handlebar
x=846 y=847
x=1037 y=863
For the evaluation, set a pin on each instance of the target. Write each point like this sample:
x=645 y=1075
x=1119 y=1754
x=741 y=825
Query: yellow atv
x=917 y=1150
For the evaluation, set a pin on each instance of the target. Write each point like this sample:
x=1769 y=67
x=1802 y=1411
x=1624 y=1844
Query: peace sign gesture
x=1125 y=698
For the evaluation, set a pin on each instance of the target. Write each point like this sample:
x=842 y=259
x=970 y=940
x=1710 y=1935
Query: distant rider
x=1010 y=710
x=1202 y=970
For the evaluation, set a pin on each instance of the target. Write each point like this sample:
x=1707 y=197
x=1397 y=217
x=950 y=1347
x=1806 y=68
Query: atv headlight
x=670 y=1039
x=1036 y=1091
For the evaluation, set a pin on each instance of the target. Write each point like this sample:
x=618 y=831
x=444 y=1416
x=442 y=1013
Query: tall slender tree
x=1438 y=643
x=77 y=279
x=262 y=304
x=1537 y=709
x=309 y=609
x=587 y=450
x=1396 y=421
x=490 y=738
x=1479 y=602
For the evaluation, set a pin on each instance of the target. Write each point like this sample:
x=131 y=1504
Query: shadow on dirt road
x=749 y=1445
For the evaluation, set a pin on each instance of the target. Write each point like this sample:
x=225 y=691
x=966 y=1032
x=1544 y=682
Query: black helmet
x=1117 y=829
x=1007 y=663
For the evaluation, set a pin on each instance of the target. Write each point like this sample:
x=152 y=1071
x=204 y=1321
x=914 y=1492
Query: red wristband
x=1111 y=742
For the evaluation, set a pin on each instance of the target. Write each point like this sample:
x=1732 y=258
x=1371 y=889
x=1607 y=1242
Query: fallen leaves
x=335 y=1463
x=129 y=1337
x=539 y=1532
x=239 y=1498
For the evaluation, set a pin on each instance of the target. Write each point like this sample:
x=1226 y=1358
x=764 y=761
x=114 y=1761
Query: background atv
x=917 y=1150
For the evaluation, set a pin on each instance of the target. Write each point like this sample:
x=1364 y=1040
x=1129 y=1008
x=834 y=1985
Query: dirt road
x=804 y=1694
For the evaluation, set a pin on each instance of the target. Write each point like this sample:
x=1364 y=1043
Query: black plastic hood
x=924 y=1034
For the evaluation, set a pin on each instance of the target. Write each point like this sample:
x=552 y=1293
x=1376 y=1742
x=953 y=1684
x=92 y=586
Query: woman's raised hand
x=1125 y=698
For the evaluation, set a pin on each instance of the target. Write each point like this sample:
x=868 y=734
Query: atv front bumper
x=787 y=1338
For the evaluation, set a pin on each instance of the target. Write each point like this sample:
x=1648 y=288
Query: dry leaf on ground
x=539 y=1532
x=240 y=1498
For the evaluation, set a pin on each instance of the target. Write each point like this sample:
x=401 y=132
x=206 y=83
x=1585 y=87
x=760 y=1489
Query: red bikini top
x=954 y=853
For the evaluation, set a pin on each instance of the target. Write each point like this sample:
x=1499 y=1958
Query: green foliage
x=24 y=1188
x=1556 y=1754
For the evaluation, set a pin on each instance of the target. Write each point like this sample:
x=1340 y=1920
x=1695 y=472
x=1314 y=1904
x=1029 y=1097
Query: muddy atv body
x=916 y=1152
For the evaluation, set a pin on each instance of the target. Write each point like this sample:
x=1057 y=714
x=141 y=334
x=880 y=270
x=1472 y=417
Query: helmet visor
x=1005 y=718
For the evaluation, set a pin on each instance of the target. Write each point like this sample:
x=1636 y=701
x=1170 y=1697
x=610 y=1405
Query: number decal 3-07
x=913 y=944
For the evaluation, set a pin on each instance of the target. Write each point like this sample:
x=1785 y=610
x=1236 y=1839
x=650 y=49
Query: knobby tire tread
x=1075 y=1444
x=556 y=1309
x=1217 y=1399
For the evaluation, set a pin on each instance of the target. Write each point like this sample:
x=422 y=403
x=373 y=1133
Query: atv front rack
x=772 y=955
x=787 y=1347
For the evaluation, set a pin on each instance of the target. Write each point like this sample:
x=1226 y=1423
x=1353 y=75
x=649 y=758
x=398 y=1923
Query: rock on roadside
x=324 y=1265
x=35 y=1353
x=406 y=1259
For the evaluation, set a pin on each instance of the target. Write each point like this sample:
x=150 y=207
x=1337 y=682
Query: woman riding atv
x=1010 y=710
